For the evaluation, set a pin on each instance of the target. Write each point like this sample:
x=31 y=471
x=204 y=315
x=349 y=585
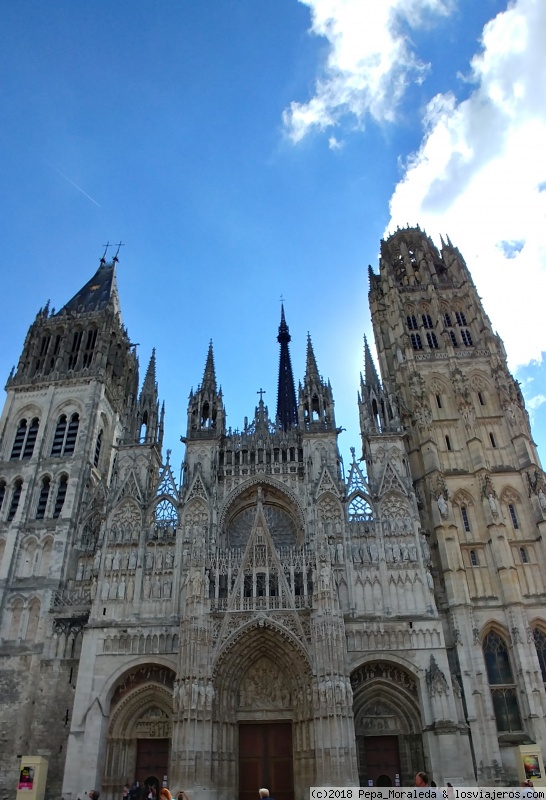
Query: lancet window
x=43 y=496
x=98 y=446
x=25 y=439
x=539 y=638
x=61 y=496
x=501 y=683
x=64 y=440
x=432 y=341
x=15 y=497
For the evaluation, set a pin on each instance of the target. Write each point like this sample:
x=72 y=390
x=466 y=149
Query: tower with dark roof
x=287 y=409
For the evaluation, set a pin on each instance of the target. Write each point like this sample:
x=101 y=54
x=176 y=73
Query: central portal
x=265 y=759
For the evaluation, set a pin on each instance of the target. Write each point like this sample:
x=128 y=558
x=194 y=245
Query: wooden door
x=152 y=760
x=265 y=760
x=382 y=759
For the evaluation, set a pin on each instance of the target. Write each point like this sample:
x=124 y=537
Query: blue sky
x=252 y=149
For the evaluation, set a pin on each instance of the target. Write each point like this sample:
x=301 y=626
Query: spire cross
x=106 y=246
x=119 y=245
x=261 y=392
x=282 y=298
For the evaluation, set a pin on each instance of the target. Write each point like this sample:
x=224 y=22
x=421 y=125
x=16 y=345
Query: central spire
x=287 y=410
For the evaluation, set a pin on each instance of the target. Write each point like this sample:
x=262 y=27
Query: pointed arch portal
x=262 y=680
x=388 y=724
x=140 y=728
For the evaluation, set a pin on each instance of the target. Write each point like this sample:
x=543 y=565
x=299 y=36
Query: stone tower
x=69 y=405
x=478 y=486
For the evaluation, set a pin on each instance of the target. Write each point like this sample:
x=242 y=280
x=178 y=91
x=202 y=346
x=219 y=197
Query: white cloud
x=370 y=60
x=479 y=175
x=535 y=402
x=334 y=144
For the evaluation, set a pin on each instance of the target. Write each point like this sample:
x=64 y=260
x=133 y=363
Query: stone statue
x=492 y=504
x=430 y=580
x=442 y=506
x=541 y=499
x=169 y=559
x=159 y=559
x=117 y=561
x=133 y=559
x=97 y=560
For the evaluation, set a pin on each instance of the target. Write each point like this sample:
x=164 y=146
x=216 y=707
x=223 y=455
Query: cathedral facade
x=269 y=621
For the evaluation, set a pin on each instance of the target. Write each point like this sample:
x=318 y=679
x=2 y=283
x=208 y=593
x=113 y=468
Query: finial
x=106 y=246
x=168 y=457
x=261 y=392
x=353 y=453
x=119 y=245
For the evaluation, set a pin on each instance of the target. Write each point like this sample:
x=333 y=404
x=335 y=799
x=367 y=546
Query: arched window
x=540 y=644
x=15 y=623
x=33 y=620
x=64 y=440
x=461 y=318
x=58 y=439
x=90 y=341
x=466 y=337
x=513 y=516
x=45 y=558
x=15 y=497
x=416 y=342
x=474 y=559
x=42 y=499
x=501 y=684
x=25 y=439
x=432 y=341
x=427 y=321
x=523 y=555
x=76 y=344
x=453 y=338
x=98 y=446
x=61 y=495
x=71 y=434
x=2 y=492
x=465 y=518
x=411 y=319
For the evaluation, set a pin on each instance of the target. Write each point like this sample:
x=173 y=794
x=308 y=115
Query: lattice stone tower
x=478 y=483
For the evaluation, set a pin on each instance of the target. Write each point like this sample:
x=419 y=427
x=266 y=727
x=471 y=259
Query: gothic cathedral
x=266 y=622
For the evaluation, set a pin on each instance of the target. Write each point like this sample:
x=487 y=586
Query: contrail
x=75 y=185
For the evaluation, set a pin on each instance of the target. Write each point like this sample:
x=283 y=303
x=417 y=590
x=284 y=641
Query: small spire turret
x=316 y=402
x=206 y=417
